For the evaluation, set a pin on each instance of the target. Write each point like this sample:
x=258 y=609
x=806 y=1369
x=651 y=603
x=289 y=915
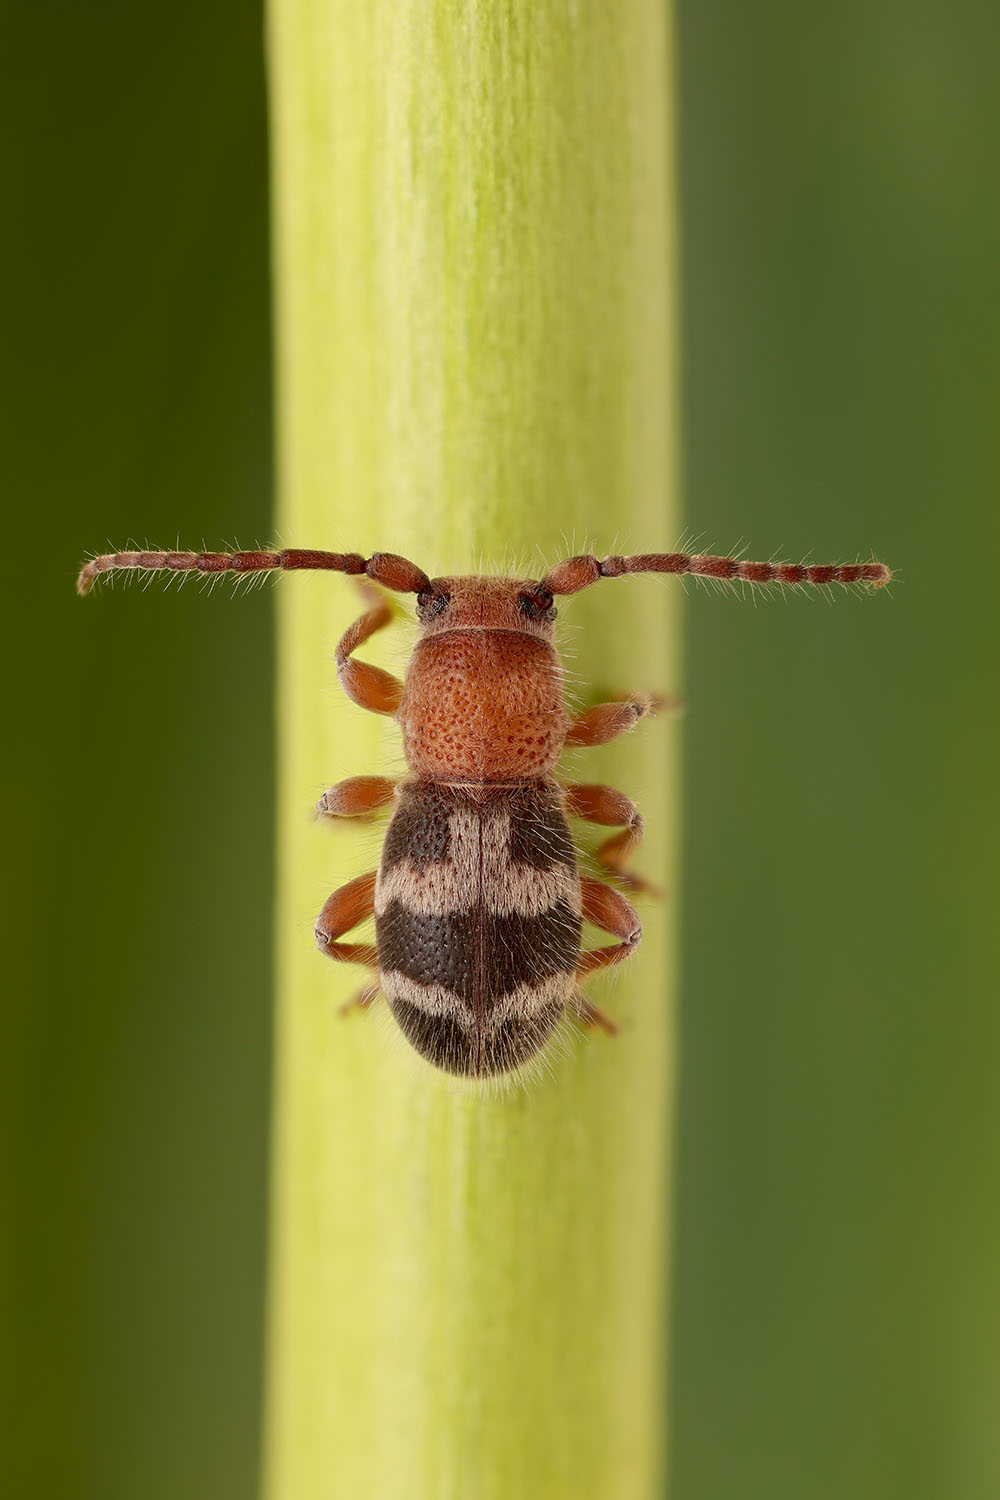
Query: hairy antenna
x=382 y=567
x=578 y=573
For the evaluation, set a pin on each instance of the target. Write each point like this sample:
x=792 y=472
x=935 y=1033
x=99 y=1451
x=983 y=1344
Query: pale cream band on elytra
x=478 y=868
x=523 y=1002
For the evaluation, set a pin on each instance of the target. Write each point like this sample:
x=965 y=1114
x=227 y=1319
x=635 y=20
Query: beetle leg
x=590 y=1015
x=367 y=686
x=356 y=797
x=363 y=999
x=352 y=904
x=608 y=909
x=606 y=721
x=603 y=804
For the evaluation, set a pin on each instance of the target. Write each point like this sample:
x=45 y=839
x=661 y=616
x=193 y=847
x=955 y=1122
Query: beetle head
x=511 y=604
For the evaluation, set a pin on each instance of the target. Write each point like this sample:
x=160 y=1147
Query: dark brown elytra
x=478 y=900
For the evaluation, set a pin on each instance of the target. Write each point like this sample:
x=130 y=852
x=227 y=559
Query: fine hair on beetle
x=478 y=900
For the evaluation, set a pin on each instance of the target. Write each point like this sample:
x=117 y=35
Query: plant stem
x=474 y=267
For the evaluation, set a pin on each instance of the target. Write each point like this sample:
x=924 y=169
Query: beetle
x=478 y=899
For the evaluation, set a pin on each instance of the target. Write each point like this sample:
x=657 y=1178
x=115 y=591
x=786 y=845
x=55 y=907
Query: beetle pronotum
x=478 y=901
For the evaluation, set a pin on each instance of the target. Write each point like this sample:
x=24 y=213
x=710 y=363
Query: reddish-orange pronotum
x=478 y=901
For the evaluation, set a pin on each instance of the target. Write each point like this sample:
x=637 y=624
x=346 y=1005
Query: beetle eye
x=430 y=604
x=537 y=605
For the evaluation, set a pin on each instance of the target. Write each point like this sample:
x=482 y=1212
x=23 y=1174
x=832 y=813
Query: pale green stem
x=474 y=261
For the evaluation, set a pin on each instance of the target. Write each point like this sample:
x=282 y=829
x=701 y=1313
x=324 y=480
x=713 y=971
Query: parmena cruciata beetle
x=478 y=901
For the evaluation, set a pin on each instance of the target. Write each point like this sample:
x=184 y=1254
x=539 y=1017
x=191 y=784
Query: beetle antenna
x=578 y=573
x=386 y=568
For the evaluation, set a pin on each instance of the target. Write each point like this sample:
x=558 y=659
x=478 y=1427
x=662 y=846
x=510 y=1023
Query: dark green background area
x=837 y=1286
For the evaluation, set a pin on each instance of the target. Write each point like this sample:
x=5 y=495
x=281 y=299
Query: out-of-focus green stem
x=474 y=268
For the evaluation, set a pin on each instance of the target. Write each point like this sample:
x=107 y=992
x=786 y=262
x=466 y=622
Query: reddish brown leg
x=345 y=909
x=608 y=909
x=363 y=998
x=591 y=1015
x=602 y=804
x=367 y=686
x=356 y=797
x=606 y=721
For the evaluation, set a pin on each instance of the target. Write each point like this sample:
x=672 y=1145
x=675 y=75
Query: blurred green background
x=837 y=1270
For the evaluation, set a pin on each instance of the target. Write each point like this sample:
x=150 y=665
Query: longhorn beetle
x=478 y=901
